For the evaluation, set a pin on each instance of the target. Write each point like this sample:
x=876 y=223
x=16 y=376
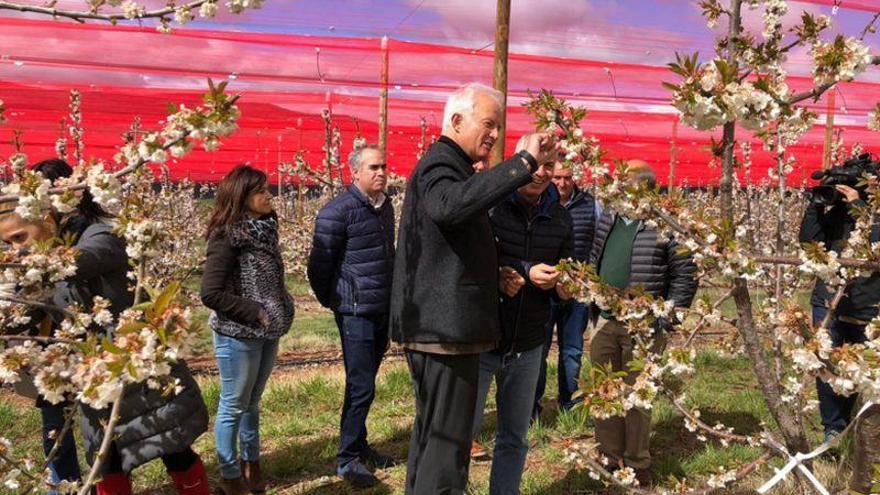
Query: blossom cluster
x=712 y=95
x=33 y=195
x=839 y=60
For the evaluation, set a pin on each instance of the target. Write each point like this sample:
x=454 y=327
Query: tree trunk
x=793 y=434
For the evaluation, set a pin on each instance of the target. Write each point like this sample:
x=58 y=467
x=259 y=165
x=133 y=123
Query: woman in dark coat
x=244 y=284
x=151 y=425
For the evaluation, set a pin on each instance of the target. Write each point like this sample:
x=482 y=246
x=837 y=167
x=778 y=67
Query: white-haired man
x=444 y=296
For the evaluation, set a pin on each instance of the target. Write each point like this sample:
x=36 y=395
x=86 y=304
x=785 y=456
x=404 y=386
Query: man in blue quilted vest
x=350 y=270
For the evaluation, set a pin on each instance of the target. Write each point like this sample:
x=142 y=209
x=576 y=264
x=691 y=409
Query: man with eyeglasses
x=350 y=270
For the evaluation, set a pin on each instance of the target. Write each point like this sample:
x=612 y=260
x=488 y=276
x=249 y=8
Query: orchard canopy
x=291 y=59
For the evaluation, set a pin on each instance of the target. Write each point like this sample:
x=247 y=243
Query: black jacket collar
x=457 y=149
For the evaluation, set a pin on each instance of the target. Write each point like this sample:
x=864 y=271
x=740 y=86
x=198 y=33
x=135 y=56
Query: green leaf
x=110 y=347
x=130 y=327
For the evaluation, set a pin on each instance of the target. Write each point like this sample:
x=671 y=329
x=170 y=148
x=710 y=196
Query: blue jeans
x=570 y=321
x=516 y=376
x=836 y=410
x=364 y=339
x=245 y=365
x=64 y=466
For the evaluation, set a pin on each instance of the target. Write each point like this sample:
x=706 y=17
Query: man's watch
x=531 y=160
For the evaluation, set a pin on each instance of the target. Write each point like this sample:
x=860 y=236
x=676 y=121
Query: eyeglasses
x=377 y=166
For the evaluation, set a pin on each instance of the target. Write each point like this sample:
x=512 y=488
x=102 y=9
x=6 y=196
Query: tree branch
x=81 y=16
x=120 y=173
x=98 y=462
x=37 y=304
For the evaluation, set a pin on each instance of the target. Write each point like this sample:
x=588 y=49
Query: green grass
x=300 y=418
x=300 y=415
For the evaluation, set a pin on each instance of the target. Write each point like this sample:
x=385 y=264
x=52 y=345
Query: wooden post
x=499 y=78
x=829 y=131
x=383 y=99
x=673 y=157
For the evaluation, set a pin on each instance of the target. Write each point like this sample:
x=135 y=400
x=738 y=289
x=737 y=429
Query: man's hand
x=509 y=281
x=849 y=193
x=562 y=293
x=542 y=146
x=544 y=276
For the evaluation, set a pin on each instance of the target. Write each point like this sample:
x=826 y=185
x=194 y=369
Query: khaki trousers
x=622 y=438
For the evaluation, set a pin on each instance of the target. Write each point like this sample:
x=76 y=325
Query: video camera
x=848 y=174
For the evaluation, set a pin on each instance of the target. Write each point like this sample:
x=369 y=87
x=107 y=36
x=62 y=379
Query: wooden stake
x=673 y=157
x=383 y=99
x=499 y=79
x=829 y=131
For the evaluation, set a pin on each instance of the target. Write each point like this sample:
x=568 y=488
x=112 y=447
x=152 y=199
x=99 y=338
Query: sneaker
x=375 y=459
x=830 y=435
x=357 y=474
x=478 y=453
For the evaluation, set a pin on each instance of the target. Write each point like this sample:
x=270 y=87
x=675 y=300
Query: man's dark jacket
x=445 y=287
x=582 y=209
x=832 y=226
x=656 y=264
x=352 y=255
x=526 y=239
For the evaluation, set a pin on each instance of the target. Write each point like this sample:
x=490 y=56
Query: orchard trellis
x=742 y=237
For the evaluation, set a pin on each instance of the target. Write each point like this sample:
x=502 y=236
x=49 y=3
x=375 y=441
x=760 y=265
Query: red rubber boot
x=193 y=481
x=114 y=484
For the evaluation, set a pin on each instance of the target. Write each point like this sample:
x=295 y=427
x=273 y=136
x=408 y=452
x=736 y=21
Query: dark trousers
x=570 y=320
x=64 y=466
x=364 y=340
x=446 y=396
x=836 y=410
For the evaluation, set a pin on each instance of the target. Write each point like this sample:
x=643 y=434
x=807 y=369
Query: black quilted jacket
x=523 y=242
x=656 y=264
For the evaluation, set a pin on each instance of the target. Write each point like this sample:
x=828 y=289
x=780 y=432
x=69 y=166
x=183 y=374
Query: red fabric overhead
x=285 y=81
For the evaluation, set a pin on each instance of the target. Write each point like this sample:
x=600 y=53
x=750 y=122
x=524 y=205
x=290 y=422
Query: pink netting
x=285 y=81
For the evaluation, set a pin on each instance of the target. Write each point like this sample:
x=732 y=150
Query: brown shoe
x=478 y=453
x=645 y=477
x=253 y=476
x=234 y=486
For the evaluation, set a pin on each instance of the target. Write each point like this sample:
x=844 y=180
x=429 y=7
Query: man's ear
x=456 y=121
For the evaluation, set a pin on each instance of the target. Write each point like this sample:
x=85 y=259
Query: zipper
x=522 y=294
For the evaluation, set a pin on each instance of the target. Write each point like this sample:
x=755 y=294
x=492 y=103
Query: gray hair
x=354 y=159
x=463 y=100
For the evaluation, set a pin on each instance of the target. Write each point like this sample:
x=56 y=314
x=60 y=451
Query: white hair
x=463 y=100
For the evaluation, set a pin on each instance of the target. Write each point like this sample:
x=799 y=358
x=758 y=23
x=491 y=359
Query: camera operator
x=828 y=220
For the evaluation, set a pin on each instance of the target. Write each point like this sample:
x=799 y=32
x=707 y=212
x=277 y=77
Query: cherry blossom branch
x=724 y=435
x=39 y=305
x=794 y=260
x=106 y=442
x=81 y=16
x=740 y=474
x=37 y=338
x=869 y=27
x=702 y=323
x=122 y=172
x=59 y=438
